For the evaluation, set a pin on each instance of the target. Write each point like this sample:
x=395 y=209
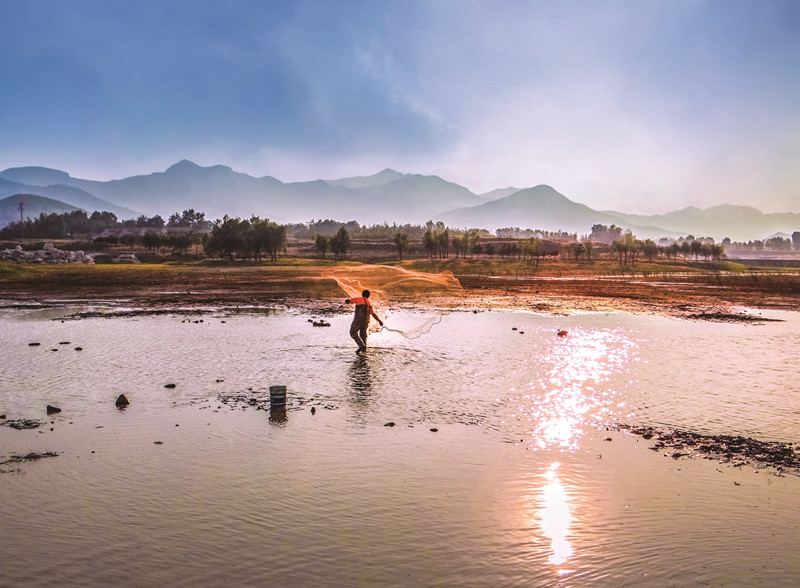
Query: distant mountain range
x=387 y=196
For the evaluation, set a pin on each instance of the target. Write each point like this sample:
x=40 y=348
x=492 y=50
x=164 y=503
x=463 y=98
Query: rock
x=64 y=343
x=389 y=424
x=52 y=409
x=122 y=400
x=34 y=344
x=169 y=385
x=313 y=410
x=562 y=333
x=79 y=349
x=434 y=430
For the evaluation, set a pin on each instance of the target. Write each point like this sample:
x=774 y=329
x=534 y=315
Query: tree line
x=257 y=238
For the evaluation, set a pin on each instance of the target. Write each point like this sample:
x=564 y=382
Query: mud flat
x=561 y=289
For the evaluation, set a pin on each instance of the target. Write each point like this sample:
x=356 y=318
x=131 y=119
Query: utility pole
x=21 y=226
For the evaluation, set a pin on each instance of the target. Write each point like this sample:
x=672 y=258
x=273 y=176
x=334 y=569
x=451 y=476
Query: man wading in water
x=358 y=328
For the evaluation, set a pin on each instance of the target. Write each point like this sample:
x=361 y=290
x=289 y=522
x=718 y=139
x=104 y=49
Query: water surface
x=520 y=484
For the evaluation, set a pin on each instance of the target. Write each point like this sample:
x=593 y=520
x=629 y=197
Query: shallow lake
x=500 y=470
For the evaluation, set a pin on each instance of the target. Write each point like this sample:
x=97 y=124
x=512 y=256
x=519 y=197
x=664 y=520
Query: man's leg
x=355 y=333
x=363 y=333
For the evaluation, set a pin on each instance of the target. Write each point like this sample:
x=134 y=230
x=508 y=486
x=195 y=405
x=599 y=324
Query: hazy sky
x=640 y=106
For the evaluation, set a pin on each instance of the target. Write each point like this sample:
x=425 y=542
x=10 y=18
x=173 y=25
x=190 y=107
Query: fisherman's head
x=365 y=293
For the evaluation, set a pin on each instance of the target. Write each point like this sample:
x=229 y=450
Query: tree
x=268 y=237
x=401 y=243
x=650 y=249
x=796 y=239
x=340 y=243
x=589 y=246
x=151 y=240
x=189 y=219
x=696 y=247
x=100 y=221
x=490 y=250
x=227 y=237
x=322 y=244
x=429 y=241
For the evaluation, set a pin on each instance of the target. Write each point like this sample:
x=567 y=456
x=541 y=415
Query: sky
x=640 y=106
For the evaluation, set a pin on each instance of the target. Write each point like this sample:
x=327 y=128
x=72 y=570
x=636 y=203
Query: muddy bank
x=186 y=288
x=735 y=450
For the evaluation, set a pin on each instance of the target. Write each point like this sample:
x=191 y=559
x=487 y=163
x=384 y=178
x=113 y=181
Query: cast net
x=438 y=292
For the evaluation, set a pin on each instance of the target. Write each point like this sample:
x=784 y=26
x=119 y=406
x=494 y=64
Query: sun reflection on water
x=555 y=518
x=573 y=392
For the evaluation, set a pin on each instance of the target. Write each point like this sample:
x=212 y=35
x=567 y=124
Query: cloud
x=632 y=105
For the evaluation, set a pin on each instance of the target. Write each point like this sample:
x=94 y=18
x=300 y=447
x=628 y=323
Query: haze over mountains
x=387 y=196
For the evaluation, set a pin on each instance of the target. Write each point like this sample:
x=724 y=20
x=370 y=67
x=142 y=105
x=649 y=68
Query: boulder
x=122 y=400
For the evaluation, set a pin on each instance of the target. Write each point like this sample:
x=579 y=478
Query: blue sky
x=640 y=106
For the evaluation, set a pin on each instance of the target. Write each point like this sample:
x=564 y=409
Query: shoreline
x=300 y=285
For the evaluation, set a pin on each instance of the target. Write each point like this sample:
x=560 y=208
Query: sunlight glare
x=555 y=517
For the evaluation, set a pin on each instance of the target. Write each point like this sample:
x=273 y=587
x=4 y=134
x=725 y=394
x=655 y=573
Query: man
x=358 y=328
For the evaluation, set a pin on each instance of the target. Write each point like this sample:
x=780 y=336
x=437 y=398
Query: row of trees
x=338 y=243
x=252 y=238
x=772 y=244
x=79 y=223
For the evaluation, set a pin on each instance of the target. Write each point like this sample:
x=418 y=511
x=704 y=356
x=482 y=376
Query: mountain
x=499 y=193
x=540 y=207
x=384 y=177
x=388 y=196
x=218 y=190
x=739 y=223
x=56 y=185
x=33 y=206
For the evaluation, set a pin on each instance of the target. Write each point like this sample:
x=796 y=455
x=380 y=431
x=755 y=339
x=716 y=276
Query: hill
x=33 y=206
x=540 y=207
x=57 y=185
x=739 y=223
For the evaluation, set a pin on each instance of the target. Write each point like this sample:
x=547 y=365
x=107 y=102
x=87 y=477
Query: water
x=520 y=485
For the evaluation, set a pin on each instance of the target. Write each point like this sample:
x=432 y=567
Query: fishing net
x=387 y=282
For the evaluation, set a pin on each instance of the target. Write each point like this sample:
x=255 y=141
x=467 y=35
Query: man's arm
x=377 y=318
